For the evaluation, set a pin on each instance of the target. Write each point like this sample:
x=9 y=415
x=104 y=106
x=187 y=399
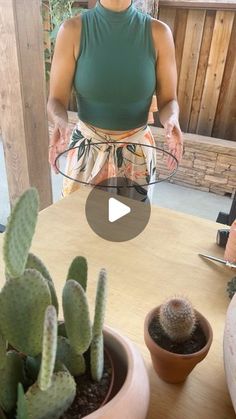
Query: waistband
x=99 y=135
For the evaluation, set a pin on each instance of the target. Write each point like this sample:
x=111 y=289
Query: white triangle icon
x=117 y=210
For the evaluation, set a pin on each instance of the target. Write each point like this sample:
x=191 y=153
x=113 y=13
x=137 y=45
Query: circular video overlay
x=126 y=144
x=111 y=213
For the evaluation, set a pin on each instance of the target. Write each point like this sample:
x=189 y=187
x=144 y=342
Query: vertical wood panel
x=192 y=43
x=225 y=121
x=179 y=36
x=22 y=95
x=202 y=68
x=217 y=58
x=167 y=15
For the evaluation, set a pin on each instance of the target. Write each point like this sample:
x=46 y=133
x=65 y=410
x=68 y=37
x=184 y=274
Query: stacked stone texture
x=208 y=164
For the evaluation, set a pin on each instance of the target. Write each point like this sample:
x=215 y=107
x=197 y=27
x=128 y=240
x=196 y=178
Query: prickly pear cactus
x=23 y=302
x=51 y=404
x=10 y=375
x=177 y=318
x=97 y=346
x=49 y=348
x=74 y=362
x=33 y=262
x=19 y=232
x=76 y=315
x=79 y=271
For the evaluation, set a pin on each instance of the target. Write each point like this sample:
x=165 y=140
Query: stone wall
x=208 y=164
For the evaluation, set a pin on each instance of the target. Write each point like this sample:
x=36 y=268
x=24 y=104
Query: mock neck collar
x=115 y=16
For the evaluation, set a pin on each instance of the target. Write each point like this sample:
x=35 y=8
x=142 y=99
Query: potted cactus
x=51 y=368
x=178 y=337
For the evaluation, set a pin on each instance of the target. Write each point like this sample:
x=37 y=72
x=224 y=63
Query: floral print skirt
x=95 y=157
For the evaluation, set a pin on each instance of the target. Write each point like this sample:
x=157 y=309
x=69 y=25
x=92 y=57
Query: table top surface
x=161 y=262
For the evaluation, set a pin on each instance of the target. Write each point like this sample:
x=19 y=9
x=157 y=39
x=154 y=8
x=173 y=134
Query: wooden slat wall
x=205 y=42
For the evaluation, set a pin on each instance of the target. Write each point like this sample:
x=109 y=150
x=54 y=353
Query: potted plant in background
x=178 y=337
x=51 y=369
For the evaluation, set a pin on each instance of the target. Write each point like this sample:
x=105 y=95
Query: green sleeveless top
x=115 y=75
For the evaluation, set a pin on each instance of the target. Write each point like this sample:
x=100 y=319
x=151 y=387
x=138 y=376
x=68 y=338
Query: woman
x=116 y=57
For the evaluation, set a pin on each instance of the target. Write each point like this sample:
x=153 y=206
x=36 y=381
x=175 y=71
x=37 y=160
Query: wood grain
x=201 y=4
x=190 y=57
x=214 y=74
x=225 y=120
x=22 y=96
x=167 y=15
x=201 y=70
x=142 y=272
x=179 y=36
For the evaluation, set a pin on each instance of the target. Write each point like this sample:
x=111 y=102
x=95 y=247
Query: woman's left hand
x=174 y=139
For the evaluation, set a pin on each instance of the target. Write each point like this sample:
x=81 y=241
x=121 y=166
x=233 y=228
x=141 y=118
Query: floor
x=167 y=195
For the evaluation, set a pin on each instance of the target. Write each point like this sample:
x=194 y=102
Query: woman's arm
x=166 y=88
x=61 y=79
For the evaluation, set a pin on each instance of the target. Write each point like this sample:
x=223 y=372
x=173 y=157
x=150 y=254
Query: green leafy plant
x=38 y=359
x=177 y=318
x=58 y=11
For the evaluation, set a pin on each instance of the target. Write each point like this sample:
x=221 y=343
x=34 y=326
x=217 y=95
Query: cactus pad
x=19 y=232
x=79 y=271
x=100 y=305
x=51 y=404
x=21 y=403
x=33 y=262
x=74 y=362
x=177 y=318
x=97 y=357
x=76 y=315
x=23 y=302
x=10 y=375
x=49 y=348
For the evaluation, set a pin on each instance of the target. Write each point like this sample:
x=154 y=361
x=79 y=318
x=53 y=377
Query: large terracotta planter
x=129 y=398
x=229 y=348
x=171 y=367
x=131 y=392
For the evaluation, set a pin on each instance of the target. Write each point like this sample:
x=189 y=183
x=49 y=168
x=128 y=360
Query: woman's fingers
x=175 y=144
x=59 y=143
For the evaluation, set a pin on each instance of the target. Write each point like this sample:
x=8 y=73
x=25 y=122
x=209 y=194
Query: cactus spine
x=177 y=318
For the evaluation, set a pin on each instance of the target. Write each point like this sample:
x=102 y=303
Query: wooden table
x=160 y=262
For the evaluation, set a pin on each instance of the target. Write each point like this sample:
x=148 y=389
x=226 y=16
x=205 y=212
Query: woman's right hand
x=59 y=141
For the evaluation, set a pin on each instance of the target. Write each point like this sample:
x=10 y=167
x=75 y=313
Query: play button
x=118 y=209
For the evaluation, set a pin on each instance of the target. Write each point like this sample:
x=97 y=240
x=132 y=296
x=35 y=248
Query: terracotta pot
x=171 y=367
x=229 y=348
x=131 y=392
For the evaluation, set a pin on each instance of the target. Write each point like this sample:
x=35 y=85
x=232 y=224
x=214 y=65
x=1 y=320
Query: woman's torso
x=150 y=55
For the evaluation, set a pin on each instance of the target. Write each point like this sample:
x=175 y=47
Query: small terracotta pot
x=172 y=367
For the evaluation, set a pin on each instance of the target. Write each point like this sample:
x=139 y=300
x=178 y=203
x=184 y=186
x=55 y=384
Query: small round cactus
x=177 y=318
